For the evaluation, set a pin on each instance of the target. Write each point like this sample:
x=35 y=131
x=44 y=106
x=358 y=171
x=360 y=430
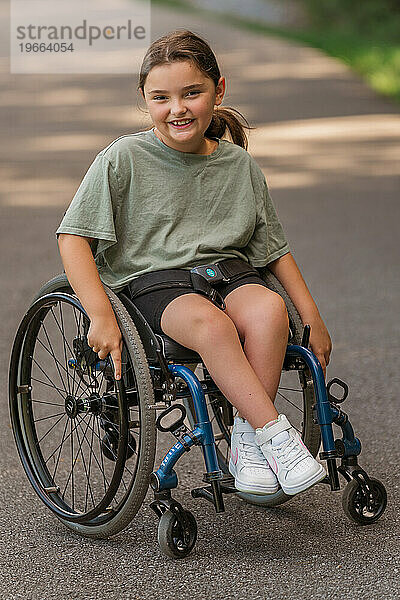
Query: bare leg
x=261 y=320
x=196 y=323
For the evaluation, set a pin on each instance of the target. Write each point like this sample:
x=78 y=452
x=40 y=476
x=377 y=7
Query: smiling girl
x=177 y=196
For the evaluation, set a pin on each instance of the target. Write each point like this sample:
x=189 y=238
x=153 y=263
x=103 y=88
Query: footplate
x=213 y=493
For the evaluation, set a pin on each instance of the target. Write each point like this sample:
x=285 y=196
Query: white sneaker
x=247 y=463
x=293 y=464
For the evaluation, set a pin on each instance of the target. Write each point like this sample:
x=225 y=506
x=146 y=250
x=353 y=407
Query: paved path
x=271 y=12
x=329 y=148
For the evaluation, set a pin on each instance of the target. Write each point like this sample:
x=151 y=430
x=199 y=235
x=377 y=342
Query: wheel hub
x=74 y=406
x=71 y=407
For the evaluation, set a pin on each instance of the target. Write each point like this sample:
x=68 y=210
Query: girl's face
x=179 y=91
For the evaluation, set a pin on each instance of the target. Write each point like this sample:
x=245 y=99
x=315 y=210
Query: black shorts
x=152 y=304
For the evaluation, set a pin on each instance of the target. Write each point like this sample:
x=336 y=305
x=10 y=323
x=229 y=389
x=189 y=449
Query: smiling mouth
x=181 y=123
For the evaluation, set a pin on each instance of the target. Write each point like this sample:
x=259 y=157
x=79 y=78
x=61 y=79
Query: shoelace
x=252 y=453
x=290 y=453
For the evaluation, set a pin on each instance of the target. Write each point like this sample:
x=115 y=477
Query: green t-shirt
x=151 y=207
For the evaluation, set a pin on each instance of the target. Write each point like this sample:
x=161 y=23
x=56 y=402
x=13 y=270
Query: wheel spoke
x=51 y=428
x=43 y=402
x=78 y=327
x=66 y=344
x=49 y=417
x=59 y=454
x=72 y=470
x=61 y=331
x=289 y=401
x=61 y=392
x=52 y=354
x=73 y=463
x=64 y=347
x=64 y=440
x=88 y=486
x=101 y=454
x=90 y=462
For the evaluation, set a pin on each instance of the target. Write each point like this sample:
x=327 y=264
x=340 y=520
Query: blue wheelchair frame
x=164 y=479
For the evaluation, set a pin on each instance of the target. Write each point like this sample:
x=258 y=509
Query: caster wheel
x=175 y=540
x=360 y=507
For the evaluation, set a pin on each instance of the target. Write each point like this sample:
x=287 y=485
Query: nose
x=178 y=108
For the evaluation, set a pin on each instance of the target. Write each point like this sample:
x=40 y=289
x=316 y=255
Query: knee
x=281 y=313
x=212 y=327
x=270 y=311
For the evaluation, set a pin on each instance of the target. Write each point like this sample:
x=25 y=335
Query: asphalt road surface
x=329 y=148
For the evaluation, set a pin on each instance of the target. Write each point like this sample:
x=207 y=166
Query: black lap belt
x=200 y=279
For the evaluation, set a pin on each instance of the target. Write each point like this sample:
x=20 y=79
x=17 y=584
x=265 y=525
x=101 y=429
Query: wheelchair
x=87 y=442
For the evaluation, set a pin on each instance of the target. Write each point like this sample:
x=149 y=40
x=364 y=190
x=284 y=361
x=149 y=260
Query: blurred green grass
x=364 y=34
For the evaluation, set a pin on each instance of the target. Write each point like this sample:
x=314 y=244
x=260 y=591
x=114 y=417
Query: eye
x=158 y=97
x=194 y=92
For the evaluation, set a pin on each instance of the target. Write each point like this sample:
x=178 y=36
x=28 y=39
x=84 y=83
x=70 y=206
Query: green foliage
x=373 y=19
x=363 y=33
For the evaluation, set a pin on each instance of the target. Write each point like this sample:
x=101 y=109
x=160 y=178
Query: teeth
x=181 y=122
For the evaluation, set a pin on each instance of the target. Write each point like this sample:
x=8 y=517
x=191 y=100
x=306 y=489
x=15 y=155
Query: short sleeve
x=268 y=241
x=92 y=209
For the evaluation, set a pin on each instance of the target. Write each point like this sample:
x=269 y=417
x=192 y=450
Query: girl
x=177 y=196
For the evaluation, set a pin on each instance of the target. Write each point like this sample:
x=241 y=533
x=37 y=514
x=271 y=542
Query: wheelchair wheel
x=361 y=507
x=86 y=441
x=177 y=539
x=295 y=398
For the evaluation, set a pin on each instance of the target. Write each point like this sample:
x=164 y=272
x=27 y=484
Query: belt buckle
x=217 y=299
x=212 y=273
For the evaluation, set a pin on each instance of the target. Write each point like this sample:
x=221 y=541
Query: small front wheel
x=361 y=507
x=176 y=537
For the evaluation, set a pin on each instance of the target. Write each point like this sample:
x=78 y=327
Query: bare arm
x=104 y=335
x=288 y=273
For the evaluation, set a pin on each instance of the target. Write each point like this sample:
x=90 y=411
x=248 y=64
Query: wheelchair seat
x=171 y=350
x=176 y=352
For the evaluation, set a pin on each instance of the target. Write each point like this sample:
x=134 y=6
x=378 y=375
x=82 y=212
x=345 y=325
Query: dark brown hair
x=184 y=45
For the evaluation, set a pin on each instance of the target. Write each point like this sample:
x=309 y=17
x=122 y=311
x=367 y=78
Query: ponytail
x=223 y=119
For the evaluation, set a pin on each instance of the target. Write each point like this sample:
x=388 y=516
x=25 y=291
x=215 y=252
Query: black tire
x=361 y=509
x=123 y=424
x=174 y=542
x=295 y=398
